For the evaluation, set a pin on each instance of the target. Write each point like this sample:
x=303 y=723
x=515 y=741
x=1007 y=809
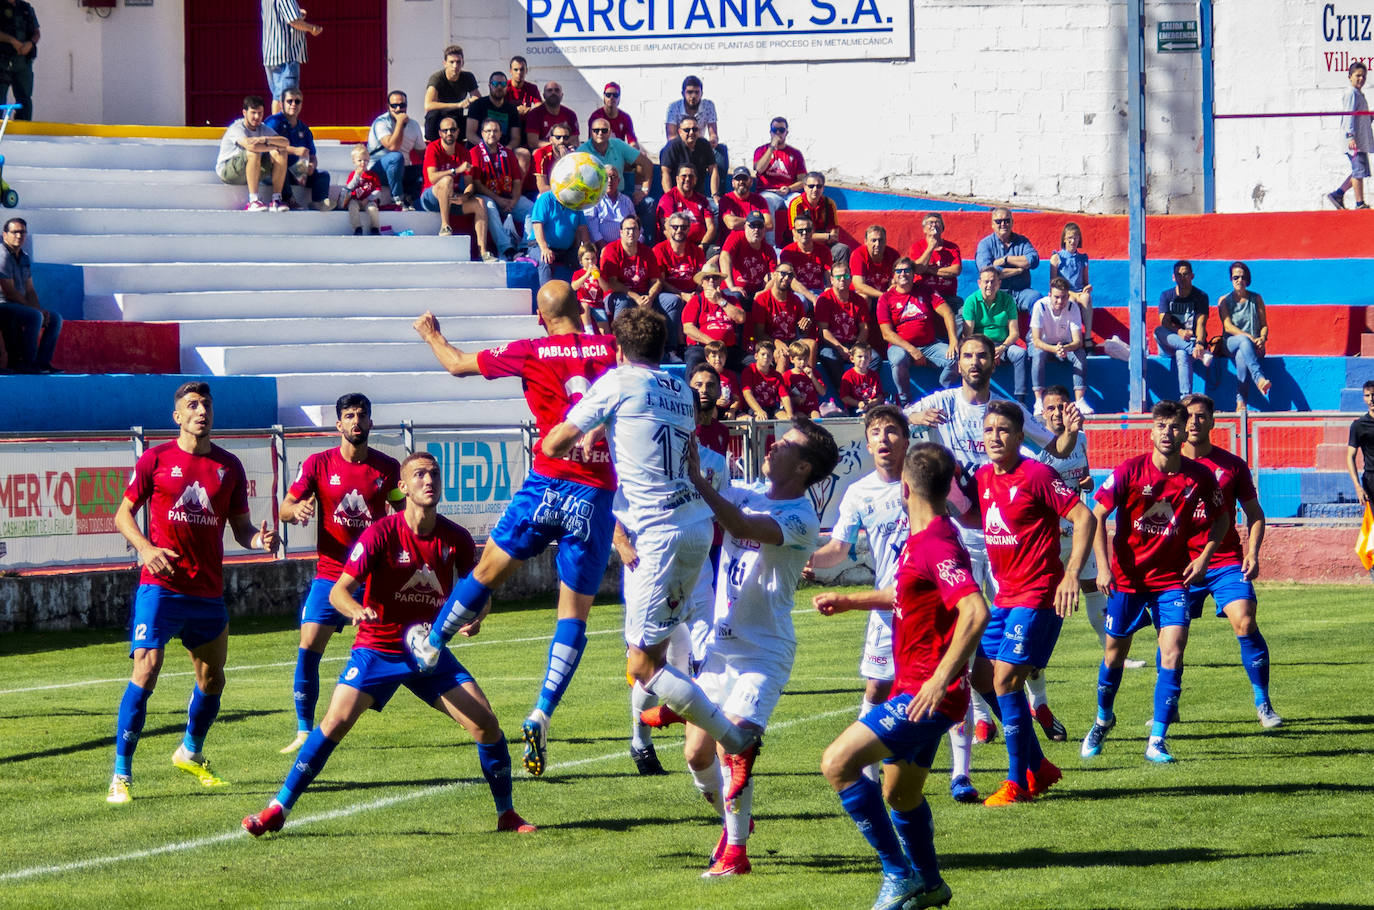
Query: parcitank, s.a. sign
x=649 y=32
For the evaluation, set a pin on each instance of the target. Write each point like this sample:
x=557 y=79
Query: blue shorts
x=379 y=674
x=1021 y=635
x=282 y=77
x=575 y=515
x=159 y=615
x=1129 y=613
x=910 y=742
x=1359 y=164
x=317 y=609
x=1226 y=584
x=430 y=202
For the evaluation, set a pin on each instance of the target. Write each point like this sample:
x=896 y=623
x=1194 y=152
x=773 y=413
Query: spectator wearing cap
x=736 y=205
x=684 y=199
x=1014 y=255
x=938 y=261
x=821 y=209
x=746 y=260
x=713 y=314
x=693 y=104
x=541 y=120
x=779 y=169
x=622 y=127
x=626 y=159
x=604 y=218
x=810 y=260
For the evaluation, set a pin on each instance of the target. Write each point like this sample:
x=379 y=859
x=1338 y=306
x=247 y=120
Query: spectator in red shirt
x=842 y=318
x=561 y=141
x=907 y=317
x=736 y=205
x=622 y=127
x=860 y=386
x=779 y=168
x=713 y=315
x=683 y=199
x=542 y=119
x=821 y=209
x=938 y=261
x=871 y=267
x=629 y=276
x=586 y=282
x=812 y=262
x=679 y=261
x=763 y=388
x=746 y=260
x=525 y=94
x=730 y=403
x=780 y=315
x=802 y=385
x=446 y=190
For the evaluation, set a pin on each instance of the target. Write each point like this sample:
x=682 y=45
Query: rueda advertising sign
x=648 y=32
x=480 y=470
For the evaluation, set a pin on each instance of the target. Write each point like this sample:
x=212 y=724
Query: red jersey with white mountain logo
x=1021 y=511
x=350 y=496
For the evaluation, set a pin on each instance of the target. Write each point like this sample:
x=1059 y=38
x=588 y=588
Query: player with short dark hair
x=1021 y=502
x=1162 y=500
x=938 y=615
x=1232 y=569
x=349 y=486
x=192 y=488
x=410 y=561
x=565 y=499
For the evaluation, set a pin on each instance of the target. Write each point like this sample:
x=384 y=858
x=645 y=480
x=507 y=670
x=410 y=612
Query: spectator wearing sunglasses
x=689 y=149
x=778 y=169
x=1013 y=254
x=820 y=208
x=693 y=104
x=622 y=127
x=395 y=145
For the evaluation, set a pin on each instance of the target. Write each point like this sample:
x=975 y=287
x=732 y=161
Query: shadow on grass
x=843 y=690
x=1041 y=857
x=1286 y=789
x=105 y=742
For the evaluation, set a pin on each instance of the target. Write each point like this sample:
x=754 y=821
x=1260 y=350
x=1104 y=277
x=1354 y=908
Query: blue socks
x=1108 y=681
x=467 y=600
x=308 y=763
x=495 y=761
x=1254 y=656
x=307 y=687
x=864 y=803
x=565 y=652
x=199 y=716
x=133 y=711
x=916 y=828
x=1168 y=685
x=1016 y=721
x=991 y=697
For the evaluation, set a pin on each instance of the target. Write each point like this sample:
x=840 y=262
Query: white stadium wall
x=996 y=100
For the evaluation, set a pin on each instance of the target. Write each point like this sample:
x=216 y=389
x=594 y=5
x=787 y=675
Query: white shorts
x=747 y=689
x=877 y=660
x=982 y=573
x=658 y=590
x=701 y=609
x=1089 y=572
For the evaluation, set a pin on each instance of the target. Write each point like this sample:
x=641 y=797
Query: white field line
x=344 y=812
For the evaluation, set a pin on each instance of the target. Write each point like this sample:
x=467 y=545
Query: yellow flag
x=1364 y=544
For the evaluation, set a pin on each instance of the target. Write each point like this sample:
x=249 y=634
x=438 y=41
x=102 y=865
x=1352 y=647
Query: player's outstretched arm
x=249 y=537
x=739 y=524
x=157 y=560
x=458 y=363
x=1084 y=537
x=968 y=629
x=828 y=603
x=560 y=440
x=341 y=598
x=1063 y=444
x=828 y=555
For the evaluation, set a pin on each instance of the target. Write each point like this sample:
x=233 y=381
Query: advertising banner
x=301 y=540
x=481 y=470
x=1345 y=35
x=649 y=32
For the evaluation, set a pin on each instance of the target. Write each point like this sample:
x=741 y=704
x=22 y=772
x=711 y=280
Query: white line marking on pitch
x=344 y=812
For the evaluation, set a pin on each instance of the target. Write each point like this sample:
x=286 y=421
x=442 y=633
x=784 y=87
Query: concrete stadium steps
x=316 y=357
x=474 y=412
x=483 y=297
x=96 y=153
x=52 y=221
x=487 y=331
x=295 y=390
x=142 y=278
x=21 y=175
x=281 y=248
x=42 y=194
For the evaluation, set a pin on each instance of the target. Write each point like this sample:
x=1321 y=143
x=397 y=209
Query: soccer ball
x=578 y=180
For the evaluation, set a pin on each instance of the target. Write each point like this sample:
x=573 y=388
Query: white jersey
x=962 y=434
x=757 y=583
x=876 y=506
x=1071 y=470
x=650 y=417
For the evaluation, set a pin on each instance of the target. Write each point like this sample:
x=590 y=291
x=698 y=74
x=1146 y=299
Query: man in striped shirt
x=283 y=46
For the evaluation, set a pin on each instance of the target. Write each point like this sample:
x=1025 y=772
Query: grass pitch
x=401 y=816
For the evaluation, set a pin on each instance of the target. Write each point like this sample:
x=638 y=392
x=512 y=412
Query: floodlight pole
x=1135 y=145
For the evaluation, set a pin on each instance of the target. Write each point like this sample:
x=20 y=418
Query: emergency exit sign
x=1178 y=36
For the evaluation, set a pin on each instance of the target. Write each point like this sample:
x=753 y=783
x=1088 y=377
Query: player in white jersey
x=957 y=416
x=1075 y=471
x=770 y=532
x=874 y=504
x=649 y=416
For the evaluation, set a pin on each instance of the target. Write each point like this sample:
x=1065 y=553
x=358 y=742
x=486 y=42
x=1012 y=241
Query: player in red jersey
x=567 y=499
x=1161 y=499
x=192 y=488
x=1232 y=569
x=1021 y=501
x=349 y=486
x=938 y=614
x=409 y=561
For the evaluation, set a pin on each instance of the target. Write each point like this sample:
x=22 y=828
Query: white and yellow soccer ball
x=578 y=180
